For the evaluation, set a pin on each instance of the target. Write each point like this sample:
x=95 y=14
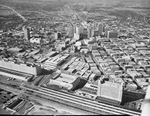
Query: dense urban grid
x=73 y=58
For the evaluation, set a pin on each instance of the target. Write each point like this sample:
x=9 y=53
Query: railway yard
x=70 y=58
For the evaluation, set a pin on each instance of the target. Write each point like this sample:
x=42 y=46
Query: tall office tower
x=110 y=91
x=59 y=35
x=95 y=26
x=74 y=28
x=112 y=34
x=81 y=28
x=84 y=33
x=106 y=28
x=100 y=28
x=90 y=32
x=77 y=32
x=26 y=33
x=55 y=35
x=76 y=36
x=70 y=32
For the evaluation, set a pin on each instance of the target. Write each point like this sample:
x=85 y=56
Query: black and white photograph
x=75 y=57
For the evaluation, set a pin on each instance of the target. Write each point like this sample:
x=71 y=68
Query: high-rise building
x=94 y=25
x=26 y=33
x=90 y=32
x=81 y=29
x=106 y=29
x=74 y=28
x=70 y=32
x=100 y=28
x=84 y=33
x=77 y=32
x=55 y=36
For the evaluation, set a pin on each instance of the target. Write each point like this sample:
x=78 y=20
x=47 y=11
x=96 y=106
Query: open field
x=49 y=8
x=55 y=5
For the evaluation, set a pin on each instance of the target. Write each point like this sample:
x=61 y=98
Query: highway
x=22 y=17
x=70 y=98
x=71 y=12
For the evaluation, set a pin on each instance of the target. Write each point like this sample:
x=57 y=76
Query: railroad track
x=80 y=101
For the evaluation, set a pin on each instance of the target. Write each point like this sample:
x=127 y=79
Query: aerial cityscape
x=82 y=57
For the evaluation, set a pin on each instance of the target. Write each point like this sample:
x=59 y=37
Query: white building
x=35 y=40
x=34 y=70
x=26 y=33
x=110 y=90
x=22 y=78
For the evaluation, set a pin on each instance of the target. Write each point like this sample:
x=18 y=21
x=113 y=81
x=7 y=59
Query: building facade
x=34 y=70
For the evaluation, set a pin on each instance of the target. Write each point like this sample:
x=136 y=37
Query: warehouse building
x=29 y=69
x=65 y=81
x=89 y=91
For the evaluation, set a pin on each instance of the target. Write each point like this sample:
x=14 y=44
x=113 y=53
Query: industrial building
x=34 y=70
x=65 y=81
x=89 y=91
x=15 y=76
x=53 y=62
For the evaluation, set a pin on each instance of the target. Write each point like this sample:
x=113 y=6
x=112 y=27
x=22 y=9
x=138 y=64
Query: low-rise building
x=65 y=81
x=35 y=40
x=88 y=91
